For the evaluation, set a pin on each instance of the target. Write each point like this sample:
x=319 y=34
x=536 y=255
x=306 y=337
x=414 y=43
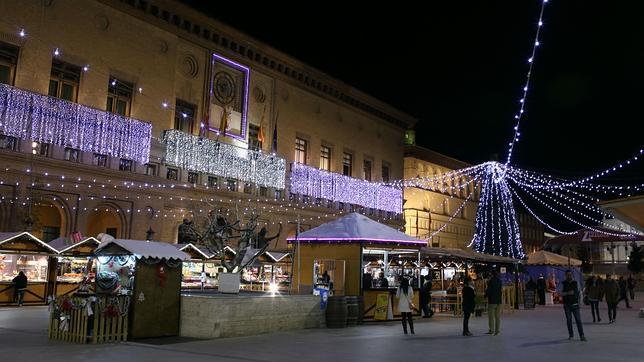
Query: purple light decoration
x=310 y=181
x=246 y=72
x=345 y=240
x=40 y=118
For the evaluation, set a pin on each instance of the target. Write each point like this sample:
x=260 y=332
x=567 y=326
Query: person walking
x=593 y=293
x=468 y=304
x=493 y=295
x=405 y=295
x=541 y=289
x=425 y=296
x=20 y=283
x=569 y=290
x=623 y=291
x=631 y=286
x=611 y=292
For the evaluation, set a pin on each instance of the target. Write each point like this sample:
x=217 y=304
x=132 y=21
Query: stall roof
x=547 y=258
x=357 y=227
x=276 y=255
x=200 y=249
x=589 y=235
x=466 y=254
x=64 y=244
x=144 y=249
x=22 y=235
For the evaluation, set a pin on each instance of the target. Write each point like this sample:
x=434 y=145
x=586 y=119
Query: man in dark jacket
x=611 y=293
x=20 y=283
x=469 y=302
x=425 y=296
x=631 y=286
x=570 y=293
x=541 y=289
x=623 y=291
x=494 y=303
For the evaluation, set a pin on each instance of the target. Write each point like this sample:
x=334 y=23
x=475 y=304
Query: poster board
x=529 y=299
x=382 y=307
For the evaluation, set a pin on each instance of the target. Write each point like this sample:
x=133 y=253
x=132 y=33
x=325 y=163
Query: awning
x=20 y=241
x=356 y=227
x=547 y=258
x=141 y=249
x=465 y=254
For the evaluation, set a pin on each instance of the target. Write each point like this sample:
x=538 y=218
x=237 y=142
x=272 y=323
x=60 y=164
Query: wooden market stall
x=22 y=251
x=75 y=263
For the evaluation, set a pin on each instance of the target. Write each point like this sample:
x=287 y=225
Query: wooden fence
x=73 y=324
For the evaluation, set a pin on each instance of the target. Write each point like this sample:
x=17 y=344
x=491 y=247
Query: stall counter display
x=74 y=270
x=34 y=267
x=192 y=273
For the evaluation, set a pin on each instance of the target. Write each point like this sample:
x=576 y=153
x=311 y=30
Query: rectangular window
x=151 y=169
x=119 y=96
x=125 y=165
x=184 y=116
x=50 y=233
x=193 y=178
x=100 y=160
x=325 y=158
x=64 y=80
x=213 y=181
x=42 y=148
x=172 y=174
x=347 y=164
x=301 y=145
x=231 y=185
x=8 y=62
x=385 y=173
x=8 y=142
x=367 y=170
x=263 y=191
x=253 y=138
x=248 y=188
x=279 y=194
x=72 y=154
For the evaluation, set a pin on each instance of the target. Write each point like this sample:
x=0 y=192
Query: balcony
x=36 y=117
x=198 y=154
x=316 y=183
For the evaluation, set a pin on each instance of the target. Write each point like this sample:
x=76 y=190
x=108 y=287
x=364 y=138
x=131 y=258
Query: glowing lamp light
x=22 y=33
x=86 y=68
x=272 y=287
x=56 y=52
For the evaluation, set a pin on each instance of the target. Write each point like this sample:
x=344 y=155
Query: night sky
x=459 y=68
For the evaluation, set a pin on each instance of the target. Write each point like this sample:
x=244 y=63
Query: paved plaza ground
x=526 y=335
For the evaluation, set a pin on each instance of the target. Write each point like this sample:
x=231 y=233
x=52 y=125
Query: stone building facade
x=173 y=68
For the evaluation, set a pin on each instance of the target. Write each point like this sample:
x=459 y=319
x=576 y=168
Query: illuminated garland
x=221 y=159
x=316 y=183
x=40 y=118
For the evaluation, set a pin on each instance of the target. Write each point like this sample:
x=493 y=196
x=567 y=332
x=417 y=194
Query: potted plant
x=479 y=301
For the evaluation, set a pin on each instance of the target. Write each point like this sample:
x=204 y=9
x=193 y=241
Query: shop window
x=8 y=142
x=172 y=174
x=34 y=266
x=184 y=116
x=279 y=194
x=64 y=80
x=213 y=181
x=325 y=158
x=253 y=138
x=72 y=154
x=347 y=164
x=8 y=61
x=125 y=165
x=100 y=160
x=193 y=177
x=151 y=169
x=301 y=146
x=367 y=170
x=119 y=96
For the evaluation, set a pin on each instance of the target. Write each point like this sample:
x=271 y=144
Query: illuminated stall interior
x=74 y=263
x=269 y=272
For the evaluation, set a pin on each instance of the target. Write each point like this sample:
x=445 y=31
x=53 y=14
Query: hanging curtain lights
x=316 y=183
x=221 y=159
x=40 y=118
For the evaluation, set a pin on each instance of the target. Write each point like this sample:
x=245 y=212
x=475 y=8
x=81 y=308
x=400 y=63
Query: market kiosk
x=354 y=251
x=268 y=272
x=22 y=251
x=75 y=263
x=201 y=270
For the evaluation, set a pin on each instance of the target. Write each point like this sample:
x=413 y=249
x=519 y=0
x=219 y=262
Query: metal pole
x=516 y=286
x=299 y=259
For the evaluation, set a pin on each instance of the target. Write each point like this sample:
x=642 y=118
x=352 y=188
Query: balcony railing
x=316 y=183
x=36 y=117
x=221 y=159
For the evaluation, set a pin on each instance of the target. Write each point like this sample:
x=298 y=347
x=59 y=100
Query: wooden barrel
x=360 y=309
x=336 y=312
x=352 y=310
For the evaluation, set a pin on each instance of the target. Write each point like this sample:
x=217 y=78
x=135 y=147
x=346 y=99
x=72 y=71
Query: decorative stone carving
x=259 y=93
x=101 y=22
x=189 y=66
x=162 y=46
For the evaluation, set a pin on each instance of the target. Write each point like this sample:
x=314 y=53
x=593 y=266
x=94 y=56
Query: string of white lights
x=519 y=116
x=525 y=206
x=457 y=212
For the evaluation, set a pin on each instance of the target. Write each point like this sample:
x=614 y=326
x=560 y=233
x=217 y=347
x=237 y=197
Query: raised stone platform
x=216 y=316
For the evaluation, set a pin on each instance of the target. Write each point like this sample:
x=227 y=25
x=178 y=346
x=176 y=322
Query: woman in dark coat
x=468 y=305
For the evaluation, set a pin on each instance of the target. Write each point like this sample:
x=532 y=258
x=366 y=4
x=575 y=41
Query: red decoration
x=66 y=305
x=111 y=311
x=161 y=275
